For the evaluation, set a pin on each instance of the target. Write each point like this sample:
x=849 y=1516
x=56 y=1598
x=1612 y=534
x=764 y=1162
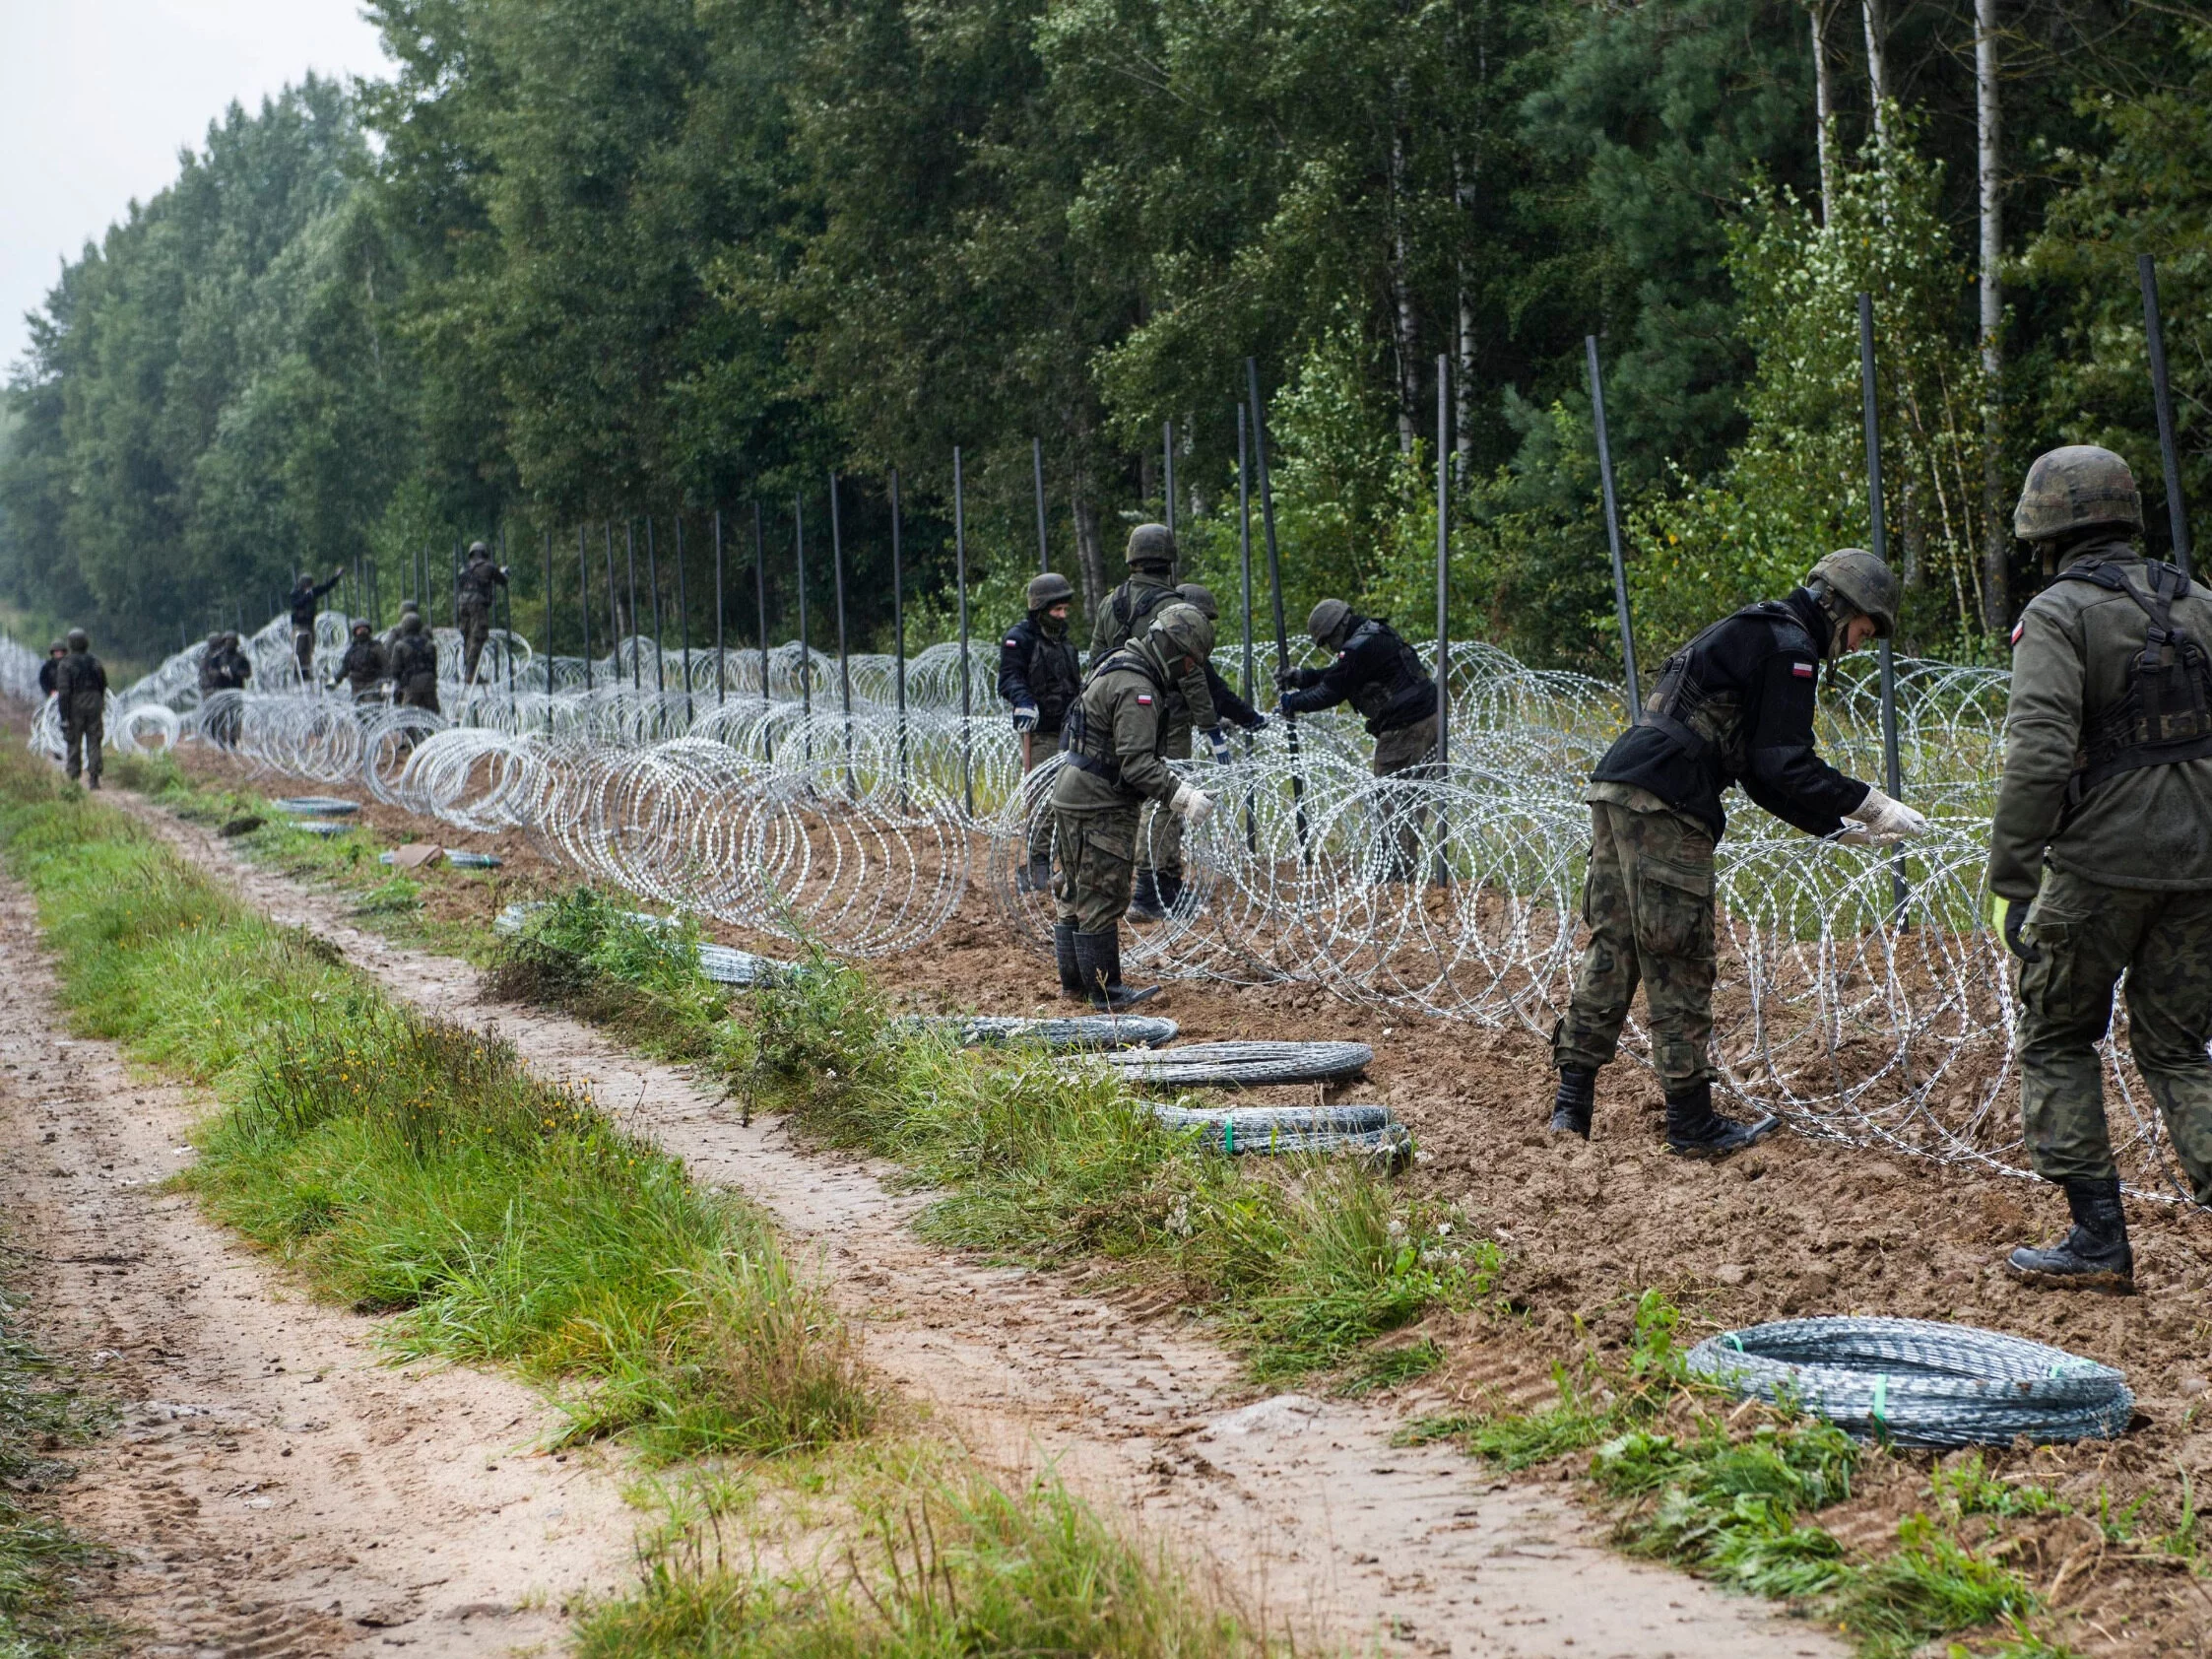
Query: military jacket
x=413 y=655
x=79 y=679
x=1115 y=746
x=307 y=601
x=481 y=581
x=362 y=665
x=2149 y=827
x=1037 y=668
x=1377 y=673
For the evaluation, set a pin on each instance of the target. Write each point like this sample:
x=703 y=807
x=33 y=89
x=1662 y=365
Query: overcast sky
x=96 y=97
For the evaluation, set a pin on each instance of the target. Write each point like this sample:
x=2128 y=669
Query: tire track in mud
x=271 y=1489
x=1299 y=1506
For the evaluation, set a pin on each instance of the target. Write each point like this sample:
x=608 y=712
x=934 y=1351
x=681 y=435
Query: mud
x=1301 y=1506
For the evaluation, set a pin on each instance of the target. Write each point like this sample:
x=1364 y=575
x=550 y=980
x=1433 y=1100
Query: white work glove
x=1024 y=718
x=1190 y=805
x=1883 y=820
x=1219 y=741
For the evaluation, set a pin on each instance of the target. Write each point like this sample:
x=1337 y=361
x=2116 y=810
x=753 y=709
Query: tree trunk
x=1463 y=357
x=1405 y=318
x=1878 y=70
x=1090 y=555
x=1824 y=107
x=1996 y=600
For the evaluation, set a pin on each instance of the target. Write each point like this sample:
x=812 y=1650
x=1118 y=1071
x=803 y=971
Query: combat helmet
x=1862 y=582
x=1201 y=599
x=412 y=623
x=1327 y=623
x=1047 y=590
x=2073 y=488
x=1182 y=630
x=80 y=640
x=1152 y=547
x=360 y=626
x=480 y=549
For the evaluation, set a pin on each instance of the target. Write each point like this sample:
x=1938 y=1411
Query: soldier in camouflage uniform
x=2100 y=848
x=479 y=590
x=414 y=665
x=1734 y=706
x=1127 y=614
x=364 y=667
x=81 y=684
x=1116 y=746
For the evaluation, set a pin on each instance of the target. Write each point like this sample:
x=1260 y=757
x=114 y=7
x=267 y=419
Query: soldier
x=1039 y=675
x=225 y=668
x=211 y=665
x=81 y=684
x=46 y=669
x=2100 y=849
x=1117 y=744
x=1734 y=706
x=414 y=665
x=306 y=598
x=480 y=585
x=1378 y=673
x=364 y=667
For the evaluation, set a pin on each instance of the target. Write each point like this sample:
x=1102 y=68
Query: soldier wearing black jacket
x=306 y=600
x=54 y=653
x=1040 y=679
x=1733 y=707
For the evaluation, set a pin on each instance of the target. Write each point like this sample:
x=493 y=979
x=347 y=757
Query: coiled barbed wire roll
x=1069 y=1033
x=146 y=728
x=1921 y=1382
x=1236 y=1065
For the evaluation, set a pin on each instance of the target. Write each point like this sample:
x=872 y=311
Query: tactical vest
x=1707 y=722
x=1054 y=679
x=413 y=655
x=79 y=675
x=2165 y=716
x=479 y=584
x=1133 y=606
x=1093 y=751
x=1374 y=697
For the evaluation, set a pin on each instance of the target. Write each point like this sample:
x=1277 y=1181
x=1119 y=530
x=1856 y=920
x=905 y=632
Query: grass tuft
x=587 y=954
x=39 y=1559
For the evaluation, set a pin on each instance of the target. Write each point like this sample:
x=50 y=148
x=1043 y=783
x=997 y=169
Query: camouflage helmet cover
x=1862 y=582
x=79 y=641
x=360 y=624
x=1327 y=623
x=57 y=646
x=412 y=623
x=2073 y=487
x=1183 y=629
x=1048 y=589
x=1200 y=598
x=480 y=549
x=1151 y=544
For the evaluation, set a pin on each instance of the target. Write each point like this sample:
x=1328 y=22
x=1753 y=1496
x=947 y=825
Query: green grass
x=935 y=1568
x=410 y=1165
x=587 y=952
x=1302 y=1265
x=1689 y=1480
x=38 y=1559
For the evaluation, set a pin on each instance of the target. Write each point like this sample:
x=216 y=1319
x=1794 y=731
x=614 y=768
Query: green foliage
x=590 y=954
x=40 y=1559
x=407 y=1165
x=946 y=1564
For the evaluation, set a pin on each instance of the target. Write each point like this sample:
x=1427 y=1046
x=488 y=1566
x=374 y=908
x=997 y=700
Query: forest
x=733 y=273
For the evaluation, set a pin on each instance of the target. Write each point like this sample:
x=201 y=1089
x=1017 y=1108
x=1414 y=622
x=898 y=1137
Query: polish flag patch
x=2018 y=628
x=1802 y=670
x=1015 y=643
x=1144 y=702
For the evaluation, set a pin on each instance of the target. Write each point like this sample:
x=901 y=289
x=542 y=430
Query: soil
x=272 y=1488
x=1796 y=1226
x=1300 y=1506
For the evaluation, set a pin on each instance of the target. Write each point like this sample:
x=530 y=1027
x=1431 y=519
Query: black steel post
x=653 y=580
x=583 y=597
x=761 y=595
x=549 y=634
x=1438 y=874
x=898 y=637
x=684 y=619
x=1244 y=561
x=1037 y=470
x=1892 y=770
x=1275 y=580
x=805 y=642
x=960 y=582
x=721 y=677
x=2162 y=397
x=844 y=665
x=630 y=546
x=1612 y=525
x=1167 y=473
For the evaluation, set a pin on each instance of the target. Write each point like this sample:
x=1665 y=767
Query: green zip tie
x=1733 y=1341
x=1229 y=1136
x=1880 y=1408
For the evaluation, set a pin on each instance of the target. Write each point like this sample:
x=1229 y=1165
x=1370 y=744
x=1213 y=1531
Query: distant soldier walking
x=1378 y=673
x=1040 y=680
x=1734 y=706
x=2100 y=849
x=46 y=669
x=1116 y=746
x=481 y=581
x=81 y=684
x=414 y=665
x=307 y=601
x=364 y=668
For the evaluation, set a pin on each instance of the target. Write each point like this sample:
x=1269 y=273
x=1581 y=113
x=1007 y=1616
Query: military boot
x=1063 y=949
x=1035 y=874
x=1572 y=1106
x=2094 y=1255
x=1098 y=963
x=1145 y=899
x=1695 y=1130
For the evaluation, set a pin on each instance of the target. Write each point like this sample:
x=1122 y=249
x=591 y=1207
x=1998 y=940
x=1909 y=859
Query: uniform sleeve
x=1198 y=696
x=2041 y=734
x=1331 y=686
x=1784 y=775
x=1137 y=744
x=327 y=586
x=1013 y=673
x=1228 y=704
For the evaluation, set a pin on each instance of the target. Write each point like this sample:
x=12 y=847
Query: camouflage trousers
x=81 y=734
x=420 y=690
x=1407 y=753
x=476 y=629
x=1649 y=903
x=1037 y=748
x=2090 y=936
x=1094 y=855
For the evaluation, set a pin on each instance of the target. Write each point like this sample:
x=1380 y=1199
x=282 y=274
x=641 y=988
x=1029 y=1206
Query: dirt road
x=1301 y=1505
x=273 y=1489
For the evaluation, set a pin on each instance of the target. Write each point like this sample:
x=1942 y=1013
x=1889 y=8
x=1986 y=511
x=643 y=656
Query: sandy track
x=1300 y=1506
x=273 y=1489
